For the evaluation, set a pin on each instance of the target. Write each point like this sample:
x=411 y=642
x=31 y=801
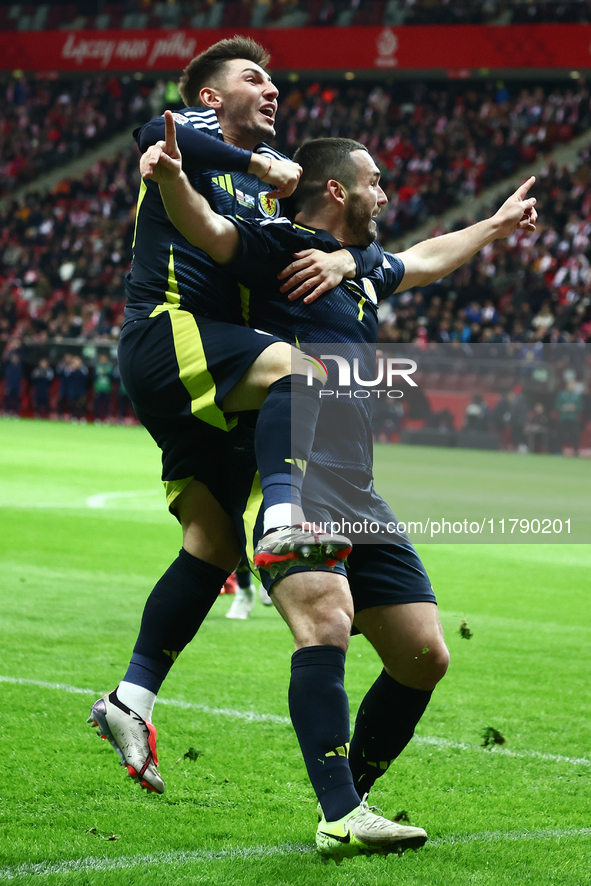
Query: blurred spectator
x=103 y=384
x=508 y=417
x=13 y=378
x=77 y=389
x=64 y=371
x=388 y=415
x=476 y=418
x=537 y=428
x=569 y=406
x=41 y=378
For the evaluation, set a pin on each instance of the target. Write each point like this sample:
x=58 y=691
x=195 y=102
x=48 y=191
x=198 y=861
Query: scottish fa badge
x=268 y=206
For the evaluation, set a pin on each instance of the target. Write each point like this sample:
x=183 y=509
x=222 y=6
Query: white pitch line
x=252 y=716
x=100 y=500
x=92 y=864
x=504 y=752
x=256 y=717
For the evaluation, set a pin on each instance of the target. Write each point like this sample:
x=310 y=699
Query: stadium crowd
x=63 y=255
x=46 y=121
x=437 y=144
x=102 y=14
x=535 y=288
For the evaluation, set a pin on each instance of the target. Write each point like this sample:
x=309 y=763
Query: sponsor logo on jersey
x=245 y=199
x=268 y=205
x=180 y=118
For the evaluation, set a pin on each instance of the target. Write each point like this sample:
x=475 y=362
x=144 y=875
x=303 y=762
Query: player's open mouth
x=269 y=113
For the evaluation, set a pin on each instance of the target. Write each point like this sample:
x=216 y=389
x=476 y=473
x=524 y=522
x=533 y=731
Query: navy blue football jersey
x=167 y=272
x=346 y=315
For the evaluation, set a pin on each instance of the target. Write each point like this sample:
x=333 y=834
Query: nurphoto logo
x=388 y=370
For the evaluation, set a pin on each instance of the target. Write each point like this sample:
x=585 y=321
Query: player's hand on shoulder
x=314 y=272
x=163 y=162
x=284 y=175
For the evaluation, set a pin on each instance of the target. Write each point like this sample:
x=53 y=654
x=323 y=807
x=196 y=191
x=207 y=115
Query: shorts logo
x=180 y=118
x=268 y=206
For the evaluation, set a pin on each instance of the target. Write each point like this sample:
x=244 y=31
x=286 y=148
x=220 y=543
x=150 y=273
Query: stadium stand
x=64 y=252
x=47 y=121
x=139 y=14
x=437 y=144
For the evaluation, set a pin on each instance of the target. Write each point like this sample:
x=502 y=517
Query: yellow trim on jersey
x=193 y=370
x=142 y=193
x=245 y=303
x=249 y=517
x=302 y=228
x=360 y=304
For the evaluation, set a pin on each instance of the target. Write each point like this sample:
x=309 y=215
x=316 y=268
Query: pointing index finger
x=522 y=190
x=170 y=145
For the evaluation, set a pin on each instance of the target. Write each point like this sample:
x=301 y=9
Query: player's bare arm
x=313 y=269
x=188 y=210
x=432 y=259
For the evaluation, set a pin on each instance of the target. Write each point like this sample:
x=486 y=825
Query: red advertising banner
x=469 y=47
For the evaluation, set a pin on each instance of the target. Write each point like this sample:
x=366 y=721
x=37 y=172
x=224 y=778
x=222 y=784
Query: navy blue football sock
x=284 y=436
x=243 y=575
x=319 y=710
x=172 y=616
x=384 y=726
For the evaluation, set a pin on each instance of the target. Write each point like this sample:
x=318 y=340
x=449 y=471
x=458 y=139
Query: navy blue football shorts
x=378 y=575
x=384 y=572
x=177 y=368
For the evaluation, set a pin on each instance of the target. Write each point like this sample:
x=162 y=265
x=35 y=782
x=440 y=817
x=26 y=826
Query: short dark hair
x=207 y=65
x=322 y=159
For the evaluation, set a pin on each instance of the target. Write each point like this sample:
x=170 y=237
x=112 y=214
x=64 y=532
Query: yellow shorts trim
x=172 y=490
x=249 y=517
x=193 y=371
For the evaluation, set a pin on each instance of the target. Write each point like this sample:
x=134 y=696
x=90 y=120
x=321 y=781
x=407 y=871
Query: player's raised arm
x=432 y=259
x=202 y=151
x=188 y=210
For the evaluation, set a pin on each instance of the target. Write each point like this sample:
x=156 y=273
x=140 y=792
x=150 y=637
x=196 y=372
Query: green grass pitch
x=84 y=536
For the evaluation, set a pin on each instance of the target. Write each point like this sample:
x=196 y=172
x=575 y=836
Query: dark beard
x=359 y=224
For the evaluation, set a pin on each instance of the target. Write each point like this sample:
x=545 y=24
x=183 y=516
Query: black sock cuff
x=202 y=571
x=333 y=656
x=421 y=696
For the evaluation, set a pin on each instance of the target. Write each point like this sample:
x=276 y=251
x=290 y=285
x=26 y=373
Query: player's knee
x=325 y=629
x=223 y=553
x=420 y=667
x=274 y=363
x=280 y=360
x=436 y=663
